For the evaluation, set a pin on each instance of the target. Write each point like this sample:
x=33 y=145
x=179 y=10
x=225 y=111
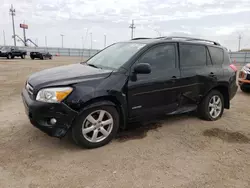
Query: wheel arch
x=223 y=89
x=109 y=101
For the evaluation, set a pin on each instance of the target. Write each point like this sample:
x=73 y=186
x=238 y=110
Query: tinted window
x=161 y=57
x=192 y=55
x=216 y=54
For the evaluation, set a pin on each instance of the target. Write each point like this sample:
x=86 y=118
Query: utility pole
x=13 y=13
x=158 y=32
x=46 y=41
x=36 y=41
x=62 y=39
x=239 y=42
x=4 y=42
x=91 y=42
x=132 y=27
x=82 y=42
x=105 y=40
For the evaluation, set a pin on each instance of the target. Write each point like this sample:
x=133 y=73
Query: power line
x=132 y=27
x=13 y=13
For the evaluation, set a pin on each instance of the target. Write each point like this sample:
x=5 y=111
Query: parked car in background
x=40 y=55
x=131 y=81
x=12 y=52
x=244 y=78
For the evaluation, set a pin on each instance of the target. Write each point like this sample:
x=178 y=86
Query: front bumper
x=40 y=113
x=3 y=54
x=244 y=79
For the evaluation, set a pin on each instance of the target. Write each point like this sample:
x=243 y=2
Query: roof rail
x=188 y=39
x=140 y=38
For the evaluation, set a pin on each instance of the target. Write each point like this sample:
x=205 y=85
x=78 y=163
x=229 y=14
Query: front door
x=155 y=93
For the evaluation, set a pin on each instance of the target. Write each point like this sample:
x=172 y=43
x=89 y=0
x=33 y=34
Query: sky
x=78 y=20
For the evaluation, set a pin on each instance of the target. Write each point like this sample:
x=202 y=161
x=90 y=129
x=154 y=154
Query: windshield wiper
x=92 y=65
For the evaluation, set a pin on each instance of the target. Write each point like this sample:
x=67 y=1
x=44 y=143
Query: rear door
x=195 y=66
x=154 y=93
x=217 y=58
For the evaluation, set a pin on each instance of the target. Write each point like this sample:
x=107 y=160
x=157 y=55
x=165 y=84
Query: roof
x=174 y=39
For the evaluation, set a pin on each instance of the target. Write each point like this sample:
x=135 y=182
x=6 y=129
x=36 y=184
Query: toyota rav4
x=130 y=81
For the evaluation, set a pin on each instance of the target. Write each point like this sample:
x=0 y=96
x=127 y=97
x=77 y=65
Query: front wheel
x=9 y=56
x=212 y=106
x=96 y=127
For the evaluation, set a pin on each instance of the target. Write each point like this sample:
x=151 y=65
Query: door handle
x=212 y=74
x=173 y=78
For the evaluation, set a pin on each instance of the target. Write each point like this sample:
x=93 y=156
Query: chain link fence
x=61 y=51
x=238 y=57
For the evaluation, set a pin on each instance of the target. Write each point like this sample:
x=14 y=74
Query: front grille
x=29 y=88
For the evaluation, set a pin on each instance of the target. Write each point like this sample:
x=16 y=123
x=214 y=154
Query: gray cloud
x=219 y=20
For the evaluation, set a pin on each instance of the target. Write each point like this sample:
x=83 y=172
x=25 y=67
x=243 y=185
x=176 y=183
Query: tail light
x=233 y=67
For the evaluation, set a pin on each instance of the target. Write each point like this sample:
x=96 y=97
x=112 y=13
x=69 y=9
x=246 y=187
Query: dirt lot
x=181 y=151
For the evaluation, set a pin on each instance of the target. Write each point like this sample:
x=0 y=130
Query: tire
x=23 y=56
x=205 y=110
x=9 y=56
x=86 y=140
x=41 y=57
x=244 y=89
x=32 y=58
x=12 y=57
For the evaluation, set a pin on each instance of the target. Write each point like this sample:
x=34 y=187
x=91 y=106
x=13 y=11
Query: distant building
x=245 y=50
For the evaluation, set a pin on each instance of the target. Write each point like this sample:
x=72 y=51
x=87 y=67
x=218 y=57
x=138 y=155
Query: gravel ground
x=181 y=151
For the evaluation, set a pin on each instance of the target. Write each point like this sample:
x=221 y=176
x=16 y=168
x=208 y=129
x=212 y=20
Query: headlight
x=53 y=95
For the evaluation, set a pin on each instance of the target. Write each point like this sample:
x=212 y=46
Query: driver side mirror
x=142 y=68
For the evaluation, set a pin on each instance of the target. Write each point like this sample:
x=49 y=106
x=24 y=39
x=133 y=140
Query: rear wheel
x=244 y=89
x=96 y=127
x=212 y=106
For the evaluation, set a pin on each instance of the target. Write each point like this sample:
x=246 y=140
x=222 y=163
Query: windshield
x=4 y=48
x=115 y=56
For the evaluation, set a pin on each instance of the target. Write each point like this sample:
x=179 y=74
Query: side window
x=192 y=55
x=217 y=55
x=160 y=58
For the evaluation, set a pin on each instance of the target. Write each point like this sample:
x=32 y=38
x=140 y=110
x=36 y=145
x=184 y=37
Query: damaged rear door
x=195 y=67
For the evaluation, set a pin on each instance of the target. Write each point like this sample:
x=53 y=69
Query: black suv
x=136 y=80
x=12 y=52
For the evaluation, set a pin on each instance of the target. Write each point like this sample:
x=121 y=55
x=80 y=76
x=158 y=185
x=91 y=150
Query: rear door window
x=217 y=55
x=192 y=55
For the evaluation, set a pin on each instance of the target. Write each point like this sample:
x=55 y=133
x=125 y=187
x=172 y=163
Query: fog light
x=53 y=121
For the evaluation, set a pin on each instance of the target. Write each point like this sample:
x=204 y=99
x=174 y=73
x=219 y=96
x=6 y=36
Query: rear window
x=217 y=55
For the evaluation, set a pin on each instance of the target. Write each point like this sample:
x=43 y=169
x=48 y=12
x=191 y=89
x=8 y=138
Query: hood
x=65 y=75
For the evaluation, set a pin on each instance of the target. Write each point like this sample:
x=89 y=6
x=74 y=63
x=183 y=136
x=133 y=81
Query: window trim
x=208 y=53
x=223 y=58
x=193 y=44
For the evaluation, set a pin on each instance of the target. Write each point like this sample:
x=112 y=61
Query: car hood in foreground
x=65 y=75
